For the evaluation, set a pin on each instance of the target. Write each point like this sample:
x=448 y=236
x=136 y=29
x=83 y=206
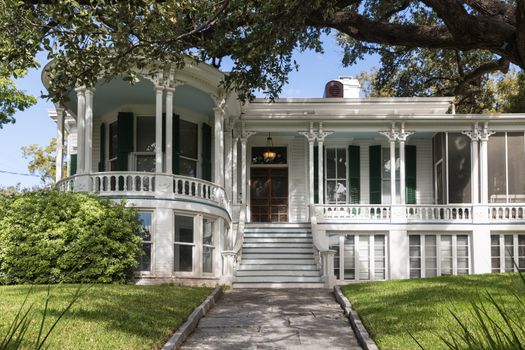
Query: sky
x=33 y=126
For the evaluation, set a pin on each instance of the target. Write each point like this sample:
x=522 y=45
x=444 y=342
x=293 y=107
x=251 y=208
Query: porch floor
x=274 y=319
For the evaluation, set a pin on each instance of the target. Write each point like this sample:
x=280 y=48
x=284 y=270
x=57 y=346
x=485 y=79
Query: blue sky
x=34 y=125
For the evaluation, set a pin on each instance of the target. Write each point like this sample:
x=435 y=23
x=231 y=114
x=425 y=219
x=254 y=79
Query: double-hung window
x=207 y=245
x=184 y=243
x=189 y=149
x=145 y=233
x=336 y=177
x=144 y=156
x=508 y=252
x=436 y=254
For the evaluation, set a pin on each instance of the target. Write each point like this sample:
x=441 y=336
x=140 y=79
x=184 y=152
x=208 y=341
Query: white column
x=483 y=163
x=88 y=165
x=402 y=175
x=320 y=169
x=81 y=119
x=218 y=159
x=60 y=145
x=474 y=172
x=235 y=198
x=169 y=130
x=158 y=129
x=393 y=171
x=244 y=139
x=228 y=163
x=310 y=136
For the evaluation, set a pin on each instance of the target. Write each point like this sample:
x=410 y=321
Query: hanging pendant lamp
x=269 y=155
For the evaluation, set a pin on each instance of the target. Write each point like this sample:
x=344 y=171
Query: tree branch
x=489 y=67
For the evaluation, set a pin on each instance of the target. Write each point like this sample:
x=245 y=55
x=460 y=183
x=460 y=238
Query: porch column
x=393 y=171
x=474 y=160
x=60 y=144
x=244 y=139
x=169 y=130
x=81 y=118
x=321 y=135
x=218 y=148
x=483 y=162
x=310 y=136
x=235 y=198
x=228 y=163
x=88 y=165
x=159 y=91
x=402 y=136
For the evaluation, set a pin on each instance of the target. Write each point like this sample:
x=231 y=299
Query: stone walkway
x=274 y=319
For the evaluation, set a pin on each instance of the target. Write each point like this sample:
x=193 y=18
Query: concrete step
x=266 y=230
x=277 y=285
x=271 y=272
x=274 y=261
x=277 y=249
x=274 y=255
x=278 y=279
x=269 y=245
x=305 y=225
x=276 y=267
x=276 y=235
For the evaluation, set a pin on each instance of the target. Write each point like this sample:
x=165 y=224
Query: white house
x=298 y=192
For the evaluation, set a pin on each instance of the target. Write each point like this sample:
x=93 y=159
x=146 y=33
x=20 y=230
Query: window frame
x=151 y=242
x=213 y=222
x=502 y=251
x=194 y=270
x=337 y=178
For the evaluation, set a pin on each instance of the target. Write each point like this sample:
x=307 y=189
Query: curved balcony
x=156 y=185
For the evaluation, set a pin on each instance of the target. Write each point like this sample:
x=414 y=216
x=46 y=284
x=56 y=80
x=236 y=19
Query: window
x=189 y=149
x=506 y=160
x=387 y=198
x=436 y=254
x=145 y=234
x=506 y=250
x=335 y=175
x=144 y=156
x=184 y=243
x=113 y=146
x=359 y=257
x=207 y=246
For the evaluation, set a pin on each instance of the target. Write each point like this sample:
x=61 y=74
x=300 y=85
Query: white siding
x=424 y=184
x=297 y=181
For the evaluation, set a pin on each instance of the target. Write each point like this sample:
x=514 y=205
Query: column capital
x=245 y=134
x=485 y=134
x=391 y=135
x=404 y=134
x=321 y=135
x=310 y=135
x=80 y=90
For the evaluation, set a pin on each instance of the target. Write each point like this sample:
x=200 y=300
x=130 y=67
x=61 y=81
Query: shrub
x=51 y=237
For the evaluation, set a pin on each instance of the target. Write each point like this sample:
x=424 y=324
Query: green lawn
x=108 y=316
x=391 y=310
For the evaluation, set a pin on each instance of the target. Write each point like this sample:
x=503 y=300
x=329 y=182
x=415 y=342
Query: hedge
x=53 y=237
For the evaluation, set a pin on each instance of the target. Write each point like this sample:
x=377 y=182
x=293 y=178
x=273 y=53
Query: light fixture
x=269 y=155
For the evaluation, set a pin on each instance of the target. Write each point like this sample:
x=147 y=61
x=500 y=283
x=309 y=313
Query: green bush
x=52 y=237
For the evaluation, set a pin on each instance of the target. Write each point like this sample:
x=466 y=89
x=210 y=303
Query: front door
x=269 y=194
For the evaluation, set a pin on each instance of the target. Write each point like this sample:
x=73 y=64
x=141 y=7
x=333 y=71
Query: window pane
x=145 y=134
x=333 y=244
x=184 y=229
x=188 y=167
x=145 y=234
x=207 y=259
x=188 y=139
x=331 y=187
x=458 y=168
x=379 y=257
x=145 y=259
x=430 y=256
x=145 y=219
x=509 y=253
x=496 y=165
x=341 y=163
x=516 y=154
x=183 y=258
x=330 y=163
x=364 y=258
x=145 y=163
x=446 y=255
x=113 y=140
x=349 y=252
x=207 y=232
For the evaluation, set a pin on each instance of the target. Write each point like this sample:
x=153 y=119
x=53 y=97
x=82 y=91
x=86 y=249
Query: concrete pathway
x=274 y=319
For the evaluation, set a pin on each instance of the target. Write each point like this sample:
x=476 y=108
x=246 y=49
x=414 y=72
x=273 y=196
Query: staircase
x=278 y=256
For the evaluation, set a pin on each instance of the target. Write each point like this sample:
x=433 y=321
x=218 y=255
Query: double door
x=269 y=194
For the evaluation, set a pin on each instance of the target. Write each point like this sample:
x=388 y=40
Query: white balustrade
x=353 y=212
x=437 y=213
x=507 y=212
x=66 y=185
x=123 y=182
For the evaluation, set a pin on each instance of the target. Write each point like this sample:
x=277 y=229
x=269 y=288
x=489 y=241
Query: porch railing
x=506 y=212
x=433 y=213
x=142 y=183
x=362 y=212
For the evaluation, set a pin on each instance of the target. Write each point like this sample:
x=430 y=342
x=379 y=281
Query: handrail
x=237 y=248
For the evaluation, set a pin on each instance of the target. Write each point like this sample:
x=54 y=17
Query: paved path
x=274 y=319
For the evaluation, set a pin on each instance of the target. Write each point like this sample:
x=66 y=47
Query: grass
x=106 y=316
x=392 y=310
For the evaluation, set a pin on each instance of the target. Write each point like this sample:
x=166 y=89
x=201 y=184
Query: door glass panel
x=459 y=168
x=496 y=164
x=516 y=154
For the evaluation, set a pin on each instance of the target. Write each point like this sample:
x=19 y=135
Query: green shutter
x=125 y=140
x=206 y=152
x=73 y=165
x=375 y=174
x=316 y=174
x=410 y=174
x=102 y=162
x=354 y=174
x=176 y=144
